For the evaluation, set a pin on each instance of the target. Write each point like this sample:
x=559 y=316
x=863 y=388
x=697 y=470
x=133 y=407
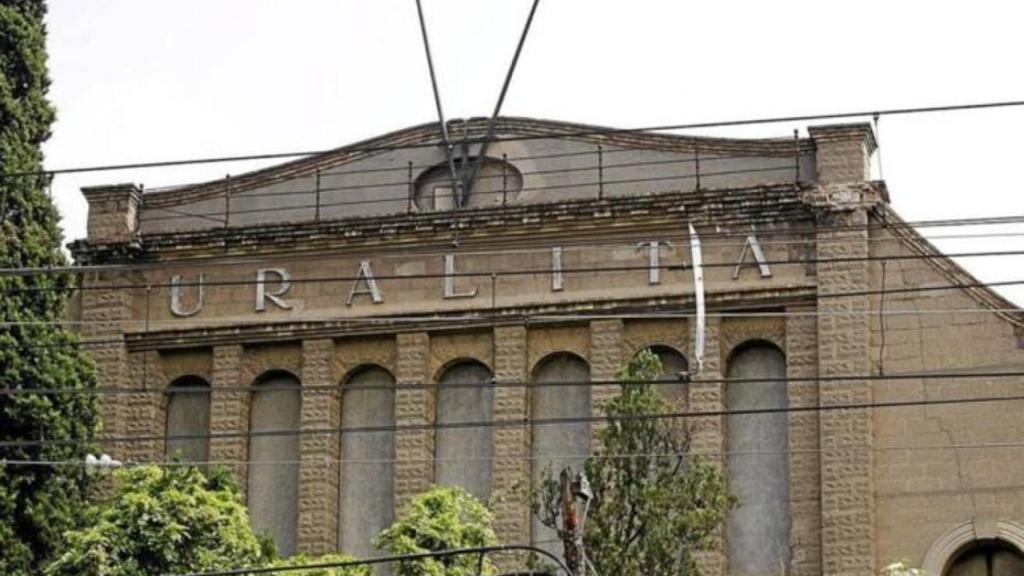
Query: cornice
x=497 y=225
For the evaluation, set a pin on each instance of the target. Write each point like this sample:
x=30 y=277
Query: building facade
x=369 y=298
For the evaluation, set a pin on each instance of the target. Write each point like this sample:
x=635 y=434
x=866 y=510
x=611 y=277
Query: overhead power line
x=330 y=388
x=485 y=274
x=507 y=423
x=710 y=236
x=563 y=134
x=694 y=453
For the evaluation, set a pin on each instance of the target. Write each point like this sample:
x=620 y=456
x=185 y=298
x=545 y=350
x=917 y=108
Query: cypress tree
x=37 y=503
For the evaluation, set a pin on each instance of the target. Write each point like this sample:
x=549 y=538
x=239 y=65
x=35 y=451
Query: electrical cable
x=511 y=423
x=547 y=135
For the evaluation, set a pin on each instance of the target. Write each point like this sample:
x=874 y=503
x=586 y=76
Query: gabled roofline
x=974 y=288
x=474 y=129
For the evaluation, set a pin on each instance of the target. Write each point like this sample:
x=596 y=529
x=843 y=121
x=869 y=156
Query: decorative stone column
x=319 y=473
x=606 y=337
x=144 y=415
x=842 y=202
x=229 y=413
x=510 y=470
x=804 y=464
x=707 y=394
x=104 y=313
x=414 y=406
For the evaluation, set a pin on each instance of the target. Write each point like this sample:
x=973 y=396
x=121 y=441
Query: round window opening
x=987 y=558
x=496 y=183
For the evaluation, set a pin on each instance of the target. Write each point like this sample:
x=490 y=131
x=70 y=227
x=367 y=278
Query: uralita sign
x=272 y=285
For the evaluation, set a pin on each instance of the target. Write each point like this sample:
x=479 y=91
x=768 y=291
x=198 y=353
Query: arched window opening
x=497 y=182
x=367 y=503
x=465 y=393
x=758 y=463
x=673 y=382
x=273 y=459
x=987 y=558
x=555 y=447
x=188 y=415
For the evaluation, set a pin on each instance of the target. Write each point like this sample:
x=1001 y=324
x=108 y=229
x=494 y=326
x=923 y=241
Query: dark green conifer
x=37 y=503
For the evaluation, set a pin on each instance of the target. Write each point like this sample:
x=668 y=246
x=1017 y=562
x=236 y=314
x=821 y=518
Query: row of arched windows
x=758 y=531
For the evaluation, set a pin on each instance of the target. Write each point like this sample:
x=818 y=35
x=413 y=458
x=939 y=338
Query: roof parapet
x=113 y=212
x=844 y=152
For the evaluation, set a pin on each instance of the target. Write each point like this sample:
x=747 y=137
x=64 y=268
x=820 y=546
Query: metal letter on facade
x=753 y=246
x=276 y=296
x=369 y=285
x=557 y=281
x=449 y=280
x=700 y=322
x=654 y=259
x=176 y=308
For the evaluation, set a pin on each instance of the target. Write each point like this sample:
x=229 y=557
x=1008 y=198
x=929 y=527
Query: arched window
x=758 y=528
x=367 y=503
x=987 y=558
x=496 y=183
x=188 y=414
x=556 y=447
x=465 y=394
x=273 y=459
x=674 y=371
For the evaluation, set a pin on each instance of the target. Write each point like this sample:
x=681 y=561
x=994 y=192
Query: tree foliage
x=301 y=560
x=37 y=504
x=443 y=518
x=164 y=520
x=654 y=503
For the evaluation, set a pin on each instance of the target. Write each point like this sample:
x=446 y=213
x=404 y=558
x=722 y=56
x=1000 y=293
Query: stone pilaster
x=319 y=473
x=104 y=314
x=804 y=464
x=606 y=337
x=229 y=412
x=847 y=487
x=414 y=406
x=511 y=471
x=144 y=411
x=707 y=394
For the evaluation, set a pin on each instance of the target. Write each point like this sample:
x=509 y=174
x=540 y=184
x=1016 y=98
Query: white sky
x=142 y=80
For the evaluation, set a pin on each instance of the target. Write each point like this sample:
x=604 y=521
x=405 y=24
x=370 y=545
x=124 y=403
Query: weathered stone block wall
x=229 y=413
x=414 y=449
x=846 y=436
x=319 y=452
x=928 y=478
x=104 y=314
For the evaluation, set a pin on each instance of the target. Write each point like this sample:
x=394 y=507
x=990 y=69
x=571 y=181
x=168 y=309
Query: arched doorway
x=987 y=558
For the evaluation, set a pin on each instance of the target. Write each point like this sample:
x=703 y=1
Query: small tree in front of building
x=163 y=520
x=443 y=518
x=653 y=502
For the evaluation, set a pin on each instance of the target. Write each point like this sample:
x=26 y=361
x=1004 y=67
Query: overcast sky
x=142 y=80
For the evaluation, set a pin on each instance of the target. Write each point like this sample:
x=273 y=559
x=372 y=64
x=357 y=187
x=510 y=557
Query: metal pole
x=696 y=163
x=316 y=216
x=504 y=179
x=437 y=98
x=570 y=525
x=501 y=100
x=412 y=192
x=796 y=154
x=227 y=199
x=600 y=172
